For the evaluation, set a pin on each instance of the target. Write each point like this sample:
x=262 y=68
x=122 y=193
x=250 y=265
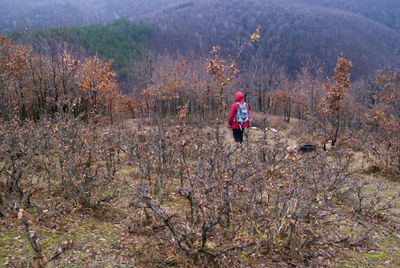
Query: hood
x=239 y=97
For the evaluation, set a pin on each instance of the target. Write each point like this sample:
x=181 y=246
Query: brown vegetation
x=182 y=193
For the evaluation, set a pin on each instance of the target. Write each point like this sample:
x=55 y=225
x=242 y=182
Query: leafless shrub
x=87 y=162
x=370 y=202
x=382 y=123
x=39 y=259
x=214 y=202
x=20 y=146
x=68 y=155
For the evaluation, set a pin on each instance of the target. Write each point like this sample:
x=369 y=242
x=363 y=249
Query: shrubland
x=90 y=177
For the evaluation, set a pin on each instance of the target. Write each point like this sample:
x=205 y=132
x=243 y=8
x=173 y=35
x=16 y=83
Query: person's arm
x=232 y=113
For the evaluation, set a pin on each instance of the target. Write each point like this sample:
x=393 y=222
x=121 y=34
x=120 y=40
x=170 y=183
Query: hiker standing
x=239 y=117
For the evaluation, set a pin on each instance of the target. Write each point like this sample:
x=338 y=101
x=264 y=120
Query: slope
x=294 y=31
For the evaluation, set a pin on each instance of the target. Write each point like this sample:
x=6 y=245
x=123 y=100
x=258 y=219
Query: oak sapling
x=332 y=109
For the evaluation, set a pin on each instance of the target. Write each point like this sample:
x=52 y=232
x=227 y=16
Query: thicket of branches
x=189 y=189
x=333 y=111
x=34 y=86
x=63 y=138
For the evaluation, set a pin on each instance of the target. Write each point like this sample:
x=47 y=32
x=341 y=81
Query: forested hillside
x=16 y=15
x=385 y=12
x=122 y=41
x=19 y=14
x=293 y=32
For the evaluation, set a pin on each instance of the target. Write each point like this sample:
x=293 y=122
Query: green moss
x=378 y=256
x=14 y=243
x=88 y=233
x=387 y=255
x=244 y=257
x=11 y=244
x=94 y=233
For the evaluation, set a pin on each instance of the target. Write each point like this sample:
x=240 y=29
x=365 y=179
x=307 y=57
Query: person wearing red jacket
x=237 y=128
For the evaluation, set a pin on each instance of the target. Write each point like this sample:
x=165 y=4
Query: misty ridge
x=16 y=15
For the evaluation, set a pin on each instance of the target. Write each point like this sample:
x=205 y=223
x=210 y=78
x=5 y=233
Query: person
x=233 y=123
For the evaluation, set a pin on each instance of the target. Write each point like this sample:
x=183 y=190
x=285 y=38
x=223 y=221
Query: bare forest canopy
x=16 y=15
x=41 y=14
x=365 y=31
x=294 y=31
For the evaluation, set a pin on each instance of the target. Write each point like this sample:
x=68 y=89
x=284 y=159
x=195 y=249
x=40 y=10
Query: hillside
x=42 y=14
x=16 y=15
x=366 y=32
x=384 y=11
x=121 y=41
x=293 y=32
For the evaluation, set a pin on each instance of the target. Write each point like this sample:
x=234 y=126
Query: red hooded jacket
x=232 y=113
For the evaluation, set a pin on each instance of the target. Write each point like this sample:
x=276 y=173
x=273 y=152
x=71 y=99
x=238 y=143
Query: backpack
x=242 y=114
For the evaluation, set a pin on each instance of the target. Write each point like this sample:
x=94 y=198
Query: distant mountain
x=39 y=14
x=294 y=31
x=366 y=31
x=42 y=14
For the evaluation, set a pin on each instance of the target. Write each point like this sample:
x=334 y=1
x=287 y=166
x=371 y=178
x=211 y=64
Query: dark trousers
x=238 y=135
